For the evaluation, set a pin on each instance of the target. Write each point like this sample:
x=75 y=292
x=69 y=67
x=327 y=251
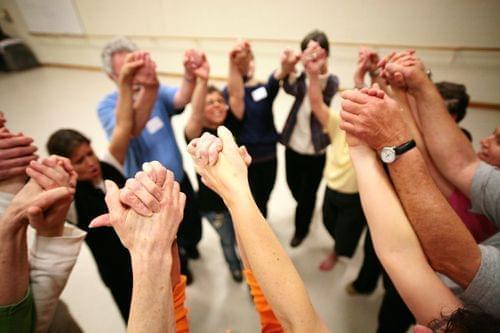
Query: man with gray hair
x=152 y=136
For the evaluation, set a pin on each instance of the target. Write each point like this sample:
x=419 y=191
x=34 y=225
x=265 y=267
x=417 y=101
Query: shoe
x=354 y=292
x=297 y=240
x=237 y=275
x=193 y=253
x=328 y=263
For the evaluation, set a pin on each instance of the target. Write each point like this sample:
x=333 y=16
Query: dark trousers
x=394 y=316
x=262 y=176
x=189 y=233
x=370 y=270
x=344 y=219
x=303 y=175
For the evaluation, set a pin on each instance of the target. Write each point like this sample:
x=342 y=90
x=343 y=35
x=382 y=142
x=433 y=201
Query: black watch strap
x=401 y=149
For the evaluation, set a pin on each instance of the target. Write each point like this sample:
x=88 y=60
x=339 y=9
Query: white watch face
x=388 y=155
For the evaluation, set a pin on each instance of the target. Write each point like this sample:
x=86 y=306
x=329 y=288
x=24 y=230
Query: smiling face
x=490 y=148
x=86 y=163
x=215 y=111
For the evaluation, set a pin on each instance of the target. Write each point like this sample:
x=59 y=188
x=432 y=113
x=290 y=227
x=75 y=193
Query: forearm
x=318 y=106
x=14 y=267
x=122 y=133
x=152 y=307
x=447 y=243
x=269 y=263
x=236 y=91
x=395 y=241
x=183 y=95
x=143 y=106
x=401 y=96
x=449 y=148
x=194 y=125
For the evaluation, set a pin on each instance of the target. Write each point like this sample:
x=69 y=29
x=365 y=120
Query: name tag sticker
x=154 y=125
x=259 y=94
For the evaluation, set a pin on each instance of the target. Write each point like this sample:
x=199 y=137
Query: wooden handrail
x=472 y=104
x=280 y=41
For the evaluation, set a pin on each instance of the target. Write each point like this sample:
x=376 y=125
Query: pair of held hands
x=16 y=152
x=140 y=69
x=44 y=201
x=313 y=59
x=374 y=117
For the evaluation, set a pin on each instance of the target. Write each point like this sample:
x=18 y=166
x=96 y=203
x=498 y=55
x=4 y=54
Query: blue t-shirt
x=157 y=139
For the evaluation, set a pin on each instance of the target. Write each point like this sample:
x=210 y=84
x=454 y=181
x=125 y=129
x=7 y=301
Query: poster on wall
x=51 y=16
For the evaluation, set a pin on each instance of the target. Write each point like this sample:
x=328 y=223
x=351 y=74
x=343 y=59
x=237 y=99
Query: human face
x=117 y=61
x=490 y=148
x=215 y=110
x=86 y=163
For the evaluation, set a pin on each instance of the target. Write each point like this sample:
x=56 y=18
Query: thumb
x=113 y=198
x=46 y=199
x=227 y=138
x=101 y=221
x=35 y=216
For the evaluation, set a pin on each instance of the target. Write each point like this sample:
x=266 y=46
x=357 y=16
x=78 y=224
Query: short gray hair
x=117 y=44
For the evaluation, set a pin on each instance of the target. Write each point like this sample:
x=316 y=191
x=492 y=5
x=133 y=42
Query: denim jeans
x=222 y=223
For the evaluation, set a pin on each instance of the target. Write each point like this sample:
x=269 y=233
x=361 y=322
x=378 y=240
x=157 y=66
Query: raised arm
x=450 y=150
x=149 y=240
x=124 y=129
x=192 y=60
x=238 y=62
x=267 y=259
x=395 y=242
x=194 y=125
x=145 y=100
x=447 y=243
x=313 y=66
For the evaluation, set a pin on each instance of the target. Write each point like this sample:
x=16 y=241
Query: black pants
x=262 y=176
x=394 y=316
x=370 y=270
x=344 y=219
x=114 y=265
x=303 y=175
x=189 y=233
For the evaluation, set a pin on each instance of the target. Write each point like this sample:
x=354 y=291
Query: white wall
x=426 y=22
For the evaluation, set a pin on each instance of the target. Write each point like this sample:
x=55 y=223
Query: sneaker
x=328 y=263
x=237 y=275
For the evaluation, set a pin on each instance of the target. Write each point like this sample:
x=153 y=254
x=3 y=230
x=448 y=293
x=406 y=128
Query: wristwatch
x=389 y=154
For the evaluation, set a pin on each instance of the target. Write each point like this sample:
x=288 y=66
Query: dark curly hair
x=469 y=319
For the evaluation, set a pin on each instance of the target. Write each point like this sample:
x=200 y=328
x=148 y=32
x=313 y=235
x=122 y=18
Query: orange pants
x=268 y=321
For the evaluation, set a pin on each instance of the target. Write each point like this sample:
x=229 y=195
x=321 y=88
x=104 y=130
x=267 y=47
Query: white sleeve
x=110 y=159
x=51 y=262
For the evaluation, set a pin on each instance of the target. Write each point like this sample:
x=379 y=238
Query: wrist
x=56 y=231
x=189 y=77
x=237 y=195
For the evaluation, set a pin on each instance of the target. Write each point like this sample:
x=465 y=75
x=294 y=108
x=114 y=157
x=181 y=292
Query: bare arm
x=395 y=242
x=183 y=95
x=450 y=150
x=236 y=91
x=264 y=255
x=450 y=247
x=401 y=97
x=318 y=105
x=194 y=125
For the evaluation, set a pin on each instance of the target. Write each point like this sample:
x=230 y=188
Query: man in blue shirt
x=152 y=134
